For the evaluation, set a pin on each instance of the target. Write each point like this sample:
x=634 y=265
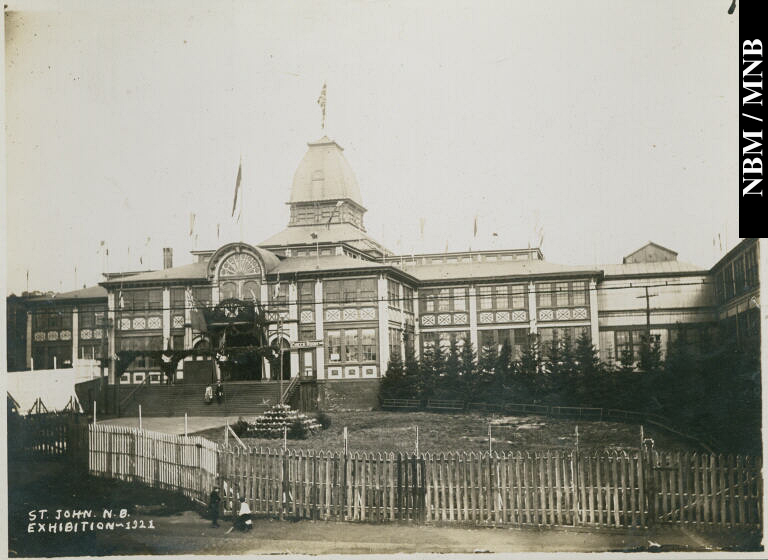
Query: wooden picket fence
x=48 y=435
x=180 y=463
x=609 y=489
x=564 y=488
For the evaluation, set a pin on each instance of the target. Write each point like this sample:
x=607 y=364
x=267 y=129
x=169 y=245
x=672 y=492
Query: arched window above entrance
x=240 y=264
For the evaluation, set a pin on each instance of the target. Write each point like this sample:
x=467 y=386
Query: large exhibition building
x=343 y=304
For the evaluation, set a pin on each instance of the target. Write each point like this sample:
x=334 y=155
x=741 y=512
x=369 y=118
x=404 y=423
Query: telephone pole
x=647 y=297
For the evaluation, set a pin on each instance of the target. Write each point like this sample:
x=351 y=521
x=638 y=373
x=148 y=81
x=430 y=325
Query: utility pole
x=647 y=297
x=280 y=346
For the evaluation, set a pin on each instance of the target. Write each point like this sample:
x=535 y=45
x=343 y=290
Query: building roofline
x=646 y=245
x=532 y=277
x=465 y=253
x=738 y=247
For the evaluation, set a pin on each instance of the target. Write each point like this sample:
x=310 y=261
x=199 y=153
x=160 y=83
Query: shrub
x=298 y=430
x=240 y=427
x=323 y=419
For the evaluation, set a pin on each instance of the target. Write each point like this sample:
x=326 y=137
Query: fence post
x=344 y=485
x=646 y=483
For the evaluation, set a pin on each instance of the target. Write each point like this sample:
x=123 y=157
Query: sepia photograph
x=357 y=277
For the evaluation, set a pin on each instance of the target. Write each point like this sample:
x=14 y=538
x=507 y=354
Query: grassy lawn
x=440 y=432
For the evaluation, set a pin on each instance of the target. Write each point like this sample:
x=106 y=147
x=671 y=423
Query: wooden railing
x=130 y=395
x=289 y=388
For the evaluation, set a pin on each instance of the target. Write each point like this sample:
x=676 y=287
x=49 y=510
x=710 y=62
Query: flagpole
x=242 y=201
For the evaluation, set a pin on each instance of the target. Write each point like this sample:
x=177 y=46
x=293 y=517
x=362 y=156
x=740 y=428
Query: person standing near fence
x=214 y=503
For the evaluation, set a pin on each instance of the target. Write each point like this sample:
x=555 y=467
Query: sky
x=591 y=126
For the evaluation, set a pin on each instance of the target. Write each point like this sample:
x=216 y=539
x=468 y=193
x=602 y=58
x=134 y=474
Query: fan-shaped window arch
x=240 y=277
x=240 y=264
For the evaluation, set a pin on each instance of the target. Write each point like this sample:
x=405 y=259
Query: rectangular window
x=519 y=298
x=428 y=340
x=579 y=293
x=350 y=291
x=307 y=332
x=351 y=345
x=369 y=344
x=408 y=299
x=278 y=293
x=202 y=295
x=444 y=300
x=306 y=293
x=334 y=346
x=738 y=275
x=502 y=300
x=85 y=318
x=367 y=291
x=395 y=335
x=750 y=261
x=332 y=291
x=544 y=295
x=628 y=341
x=562 y=294
x=156 y=300
x=177 y=342
x=393 y=293
x=178 y=300
x=728 y=281
x=459 y=299
x=486 y=301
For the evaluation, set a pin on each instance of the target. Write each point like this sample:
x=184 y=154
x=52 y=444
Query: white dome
x=324 y=174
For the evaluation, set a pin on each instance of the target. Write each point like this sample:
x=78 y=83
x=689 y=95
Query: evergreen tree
x=392 y=385
x=487 y=360
x=530 y=368
x=591 y=381
x=650 y=354
x=587 y=357
x=468 y=368
x=431 y=369
x=503 y=366
x=450 y=384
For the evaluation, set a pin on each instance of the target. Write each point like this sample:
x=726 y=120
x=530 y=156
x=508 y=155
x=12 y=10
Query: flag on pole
x=421 y=228
x=475 y=232
x=338 y=205
x=192 y=219
x=322 y=101
x=237 y=188
x=218 y=231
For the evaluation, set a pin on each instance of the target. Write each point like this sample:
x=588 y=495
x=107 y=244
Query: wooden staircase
x=241 y=398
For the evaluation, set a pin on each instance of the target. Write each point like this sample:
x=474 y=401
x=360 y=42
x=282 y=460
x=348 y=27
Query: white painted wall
x=54 y=386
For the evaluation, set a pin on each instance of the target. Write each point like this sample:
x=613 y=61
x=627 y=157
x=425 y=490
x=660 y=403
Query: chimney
x=167 y=258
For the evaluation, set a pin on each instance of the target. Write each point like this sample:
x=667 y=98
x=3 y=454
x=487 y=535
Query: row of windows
x=52 y=319
x=443 y=299
x=503 y=297
x=140 y=300
x=352 y=345
x=353 y=291
x=444 y=339
x=561 y=294
x=548 y=335
x=738 y=276
x=494 y=340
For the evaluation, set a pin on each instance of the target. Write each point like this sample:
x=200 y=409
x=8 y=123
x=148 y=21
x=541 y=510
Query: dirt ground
x=162 y=523
x=396 y=431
